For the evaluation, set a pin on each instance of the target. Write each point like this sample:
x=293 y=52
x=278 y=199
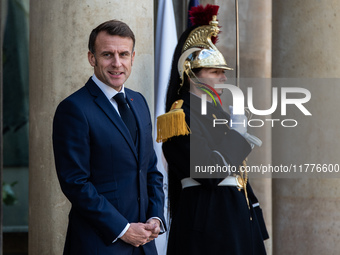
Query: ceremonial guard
x=217 y=214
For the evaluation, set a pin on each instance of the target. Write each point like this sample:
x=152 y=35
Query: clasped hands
x=141 y=233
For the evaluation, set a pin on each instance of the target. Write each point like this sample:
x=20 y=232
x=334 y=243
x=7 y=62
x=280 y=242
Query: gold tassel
x=172 y=123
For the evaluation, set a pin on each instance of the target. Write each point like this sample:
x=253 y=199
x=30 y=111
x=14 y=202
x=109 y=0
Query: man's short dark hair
x=112 y=27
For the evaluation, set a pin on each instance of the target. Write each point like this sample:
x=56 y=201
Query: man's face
x=113 y=59
x=212 y=76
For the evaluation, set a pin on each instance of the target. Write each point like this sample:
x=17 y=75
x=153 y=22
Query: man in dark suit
x=104 y=155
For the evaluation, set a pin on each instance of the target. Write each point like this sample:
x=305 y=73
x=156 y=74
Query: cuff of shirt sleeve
x=123 y=232
x=161 y=225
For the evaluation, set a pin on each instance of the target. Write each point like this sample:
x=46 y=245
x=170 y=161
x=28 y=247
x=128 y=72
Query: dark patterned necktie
x=126 y=115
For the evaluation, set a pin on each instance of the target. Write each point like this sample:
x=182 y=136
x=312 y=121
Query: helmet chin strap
x=201 y=85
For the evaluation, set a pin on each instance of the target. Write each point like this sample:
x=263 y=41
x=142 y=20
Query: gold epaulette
x=172 y=123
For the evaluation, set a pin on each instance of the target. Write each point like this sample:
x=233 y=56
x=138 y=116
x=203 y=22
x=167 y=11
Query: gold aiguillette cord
x=244 y=176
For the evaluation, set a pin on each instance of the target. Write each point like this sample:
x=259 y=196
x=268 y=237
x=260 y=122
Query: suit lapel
x=102 y=101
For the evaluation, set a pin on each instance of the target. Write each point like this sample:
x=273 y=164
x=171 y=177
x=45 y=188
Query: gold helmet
x=200 y=52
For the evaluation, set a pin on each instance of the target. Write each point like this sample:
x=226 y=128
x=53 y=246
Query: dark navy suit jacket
x=108 y=179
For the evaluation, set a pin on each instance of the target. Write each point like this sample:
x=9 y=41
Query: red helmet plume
x=201 y=16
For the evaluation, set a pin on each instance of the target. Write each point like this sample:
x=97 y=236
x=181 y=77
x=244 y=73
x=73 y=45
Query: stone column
x=59 y=33
x=305 y=44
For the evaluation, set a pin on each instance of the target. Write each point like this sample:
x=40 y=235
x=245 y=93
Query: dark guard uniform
x=210 y=214
x=211 y=219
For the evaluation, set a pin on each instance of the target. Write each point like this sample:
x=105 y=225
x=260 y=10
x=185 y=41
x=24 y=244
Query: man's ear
x=133 y=57
x=91 y=58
